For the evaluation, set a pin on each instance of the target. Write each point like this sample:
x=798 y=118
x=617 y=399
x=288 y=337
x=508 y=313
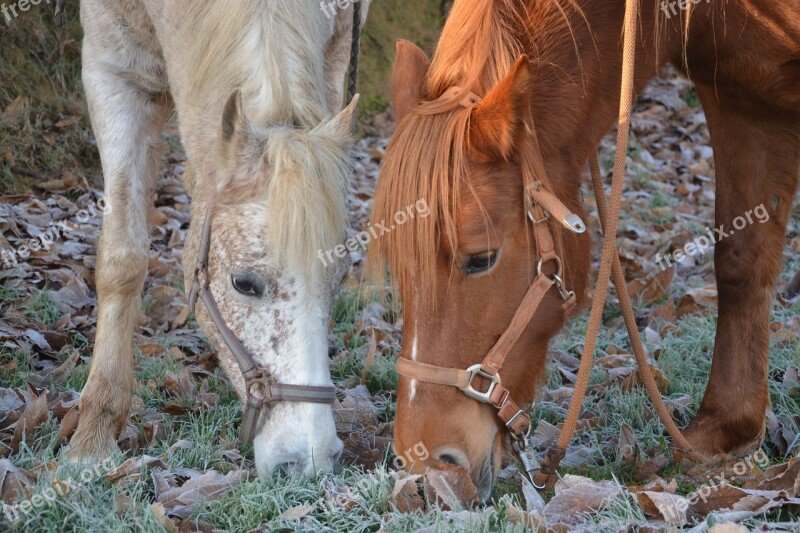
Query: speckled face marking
x=282 y=318
x=282 y=198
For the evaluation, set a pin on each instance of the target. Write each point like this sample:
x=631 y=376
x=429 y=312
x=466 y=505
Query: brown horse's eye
x=479 y=263
x=248 y=284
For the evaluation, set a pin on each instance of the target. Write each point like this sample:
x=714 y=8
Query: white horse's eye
x=248 y=284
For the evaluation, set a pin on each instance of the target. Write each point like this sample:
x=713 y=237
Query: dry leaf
x=405 y=496
x=299 y=511
x=134 y=466
x=533 y=500
x=696 y=301
x=450 y=486
x=210 y=485
x=579 y=495
x=33 y=416
x=670 y=508
x=68 y=425
x=161 y=517
x=15 y=484
x=339 y=495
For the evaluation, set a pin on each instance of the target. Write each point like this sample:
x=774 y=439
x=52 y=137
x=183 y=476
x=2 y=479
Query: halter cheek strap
x=261 y=389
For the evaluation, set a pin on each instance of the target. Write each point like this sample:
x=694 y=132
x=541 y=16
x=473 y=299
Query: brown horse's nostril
x=447 y=458
x=452 y=456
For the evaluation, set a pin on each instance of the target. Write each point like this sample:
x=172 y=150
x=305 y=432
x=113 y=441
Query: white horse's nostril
x=290 y=468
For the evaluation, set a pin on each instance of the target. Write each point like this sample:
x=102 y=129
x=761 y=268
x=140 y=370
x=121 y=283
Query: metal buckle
x=537 y=222
x=511 y=422
x=469 y=390
x=266 y=382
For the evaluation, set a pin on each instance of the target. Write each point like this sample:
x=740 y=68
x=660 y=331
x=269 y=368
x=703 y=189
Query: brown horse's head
x=470 y=153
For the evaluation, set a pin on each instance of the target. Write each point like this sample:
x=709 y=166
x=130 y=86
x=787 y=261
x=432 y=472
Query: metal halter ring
x=469 y=390
x=266 y=383
x=557 y=280
x=557 y=275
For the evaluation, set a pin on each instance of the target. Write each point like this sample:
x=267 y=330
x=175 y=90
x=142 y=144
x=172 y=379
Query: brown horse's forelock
x=427 y=158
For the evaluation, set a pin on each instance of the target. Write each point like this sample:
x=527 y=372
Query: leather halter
x=260 y=387
x=543 y=206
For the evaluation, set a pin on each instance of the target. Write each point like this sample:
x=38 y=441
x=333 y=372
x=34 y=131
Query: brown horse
x=473 y=151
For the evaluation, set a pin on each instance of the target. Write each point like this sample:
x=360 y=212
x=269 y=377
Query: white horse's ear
x=337 y=52
x=233 y=119
x=342 y=124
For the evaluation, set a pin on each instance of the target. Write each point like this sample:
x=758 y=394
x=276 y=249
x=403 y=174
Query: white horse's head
x=275 y=177
x=280 y=206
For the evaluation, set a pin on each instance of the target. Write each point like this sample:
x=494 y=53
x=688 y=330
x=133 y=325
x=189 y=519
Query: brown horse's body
x=744 y=57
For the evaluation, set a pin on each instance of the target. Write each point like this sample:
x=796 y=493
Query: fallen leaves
x=450 y=486
x=405 y=494
x=576 y=495
x=181 y=500
x=15 y=484
x=33 y=416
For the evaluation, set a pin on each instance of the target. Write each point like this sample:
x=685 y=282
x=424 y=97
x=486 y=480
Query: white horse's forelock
x=271 y=52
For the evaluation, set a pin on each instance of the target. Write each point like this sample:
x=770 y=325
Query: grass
x=41 y=308
x=101 y=506
x=41 y=86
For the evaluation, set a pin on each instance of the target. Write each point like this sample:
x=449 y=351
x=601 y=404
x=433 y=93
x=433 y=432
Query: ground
x=182 y=467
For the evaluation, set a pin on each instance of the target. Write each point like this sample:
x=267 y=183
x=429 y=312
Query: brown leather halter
x=260 y=387
x=544 y=205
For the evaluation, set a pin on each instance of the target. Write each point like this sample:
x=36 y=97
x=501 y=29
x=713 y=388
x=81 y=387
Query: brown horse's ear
x=408 y=77
x=498 y=121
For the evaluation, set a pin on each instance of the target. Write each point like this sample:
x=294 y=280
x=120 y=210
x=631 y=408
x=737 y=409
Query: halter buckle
x=515 y=436
x=536 y=222
x=469 y=390
x=266 y=383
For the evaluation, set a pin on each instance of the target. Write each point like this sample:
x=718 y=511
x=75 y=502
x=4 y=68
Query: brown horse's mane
x=428 y=154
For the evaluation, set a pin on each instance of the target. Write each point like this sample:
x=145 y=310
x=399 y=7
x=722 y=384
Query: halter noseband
x=544 y=205
x=261 y=388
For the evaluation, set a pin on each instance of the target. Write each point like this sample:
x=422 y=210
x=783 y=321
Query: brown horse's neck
x=577 y=63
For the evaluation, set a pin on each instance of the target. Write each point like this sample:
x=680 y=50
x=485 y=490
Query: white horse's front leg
x=127 y=122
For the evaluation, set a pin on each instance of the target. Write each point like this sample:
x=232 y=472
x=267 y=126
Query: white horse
x=257 y=85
